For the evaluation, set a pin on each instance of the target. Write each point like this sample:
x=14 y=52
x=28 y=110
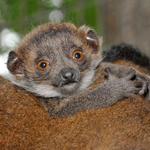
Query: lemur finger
x=138 y=84
x=147 y=94
x=130 y=70
x=136 y=90
x=144 y=88
x=108 y=72
x=133 y=89
x=131 y=75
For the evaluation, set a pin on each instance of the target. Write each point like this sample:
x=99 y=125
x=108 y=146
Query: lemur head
x=56 y=59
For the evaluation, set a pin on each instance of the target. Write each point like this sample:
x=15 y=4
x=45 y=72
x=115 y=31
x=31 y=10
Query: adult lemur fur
x=126 y=52
x=59 y=62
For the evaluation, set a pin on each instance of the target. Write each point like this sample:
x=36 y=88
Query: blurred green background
x=22 y=16
x=117 y=20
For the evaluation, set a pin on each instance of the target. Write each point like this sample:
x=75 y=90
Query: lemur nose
x=68 y=74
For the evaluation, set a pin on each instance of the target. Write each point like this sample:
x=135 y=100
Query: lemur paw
x=119 y=72
x=129 y=86
x=145 y=91
x=132 y=88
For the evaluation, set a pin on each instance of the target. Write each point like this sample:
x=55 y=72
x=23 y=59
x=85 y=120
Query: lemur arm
x=121 y=71
x=105 y=95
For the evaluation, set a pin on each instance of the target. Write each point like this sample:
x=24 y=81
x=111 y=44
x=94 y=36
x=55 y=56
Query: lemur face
x=56 y=60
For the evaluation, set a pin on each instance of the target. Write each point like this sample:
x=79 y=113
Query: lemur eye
x=78 y=55
x=42 y=65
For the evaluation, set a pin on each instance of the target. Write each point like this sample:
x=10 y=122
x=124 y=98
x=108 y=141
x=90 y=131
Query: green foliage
x=82 y=12
x=23 y=15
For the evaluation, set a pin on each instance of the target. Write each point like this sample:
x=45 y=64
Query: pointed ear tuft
x=14 y=64
x=91 y=37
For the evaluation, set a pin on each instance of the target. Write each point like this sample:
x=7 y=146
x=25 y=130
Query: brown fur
x=26 y=125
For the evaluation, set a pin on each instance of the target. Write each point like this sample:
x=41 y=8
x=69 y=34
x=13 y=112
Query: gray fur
x=105 y=95
x=56 y=44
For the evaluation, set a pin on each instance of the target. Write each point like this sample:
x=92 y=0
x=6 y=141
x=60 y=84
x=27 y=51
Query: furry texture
x=25 y=124
x=57 y=45
x=87 y=80
x=126 y=52
x=65 y=49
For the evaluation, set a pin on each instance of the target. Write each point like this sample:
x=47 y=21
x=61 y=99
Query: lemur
x=59 y=62
x=128 y=55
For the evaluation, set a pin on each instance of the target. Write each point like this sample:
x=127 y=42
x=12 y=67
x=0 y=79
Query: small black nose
x=68 y=74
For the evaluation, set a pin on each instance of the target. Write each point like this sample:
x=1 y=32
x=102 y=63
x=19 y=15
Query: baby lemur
x=58 y=63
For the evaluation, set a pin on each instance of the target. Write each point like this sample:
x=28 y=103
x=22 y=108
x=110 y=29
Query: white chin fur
x=45 y=91
x=40 y=90
x=48 y=91
x=87 y=80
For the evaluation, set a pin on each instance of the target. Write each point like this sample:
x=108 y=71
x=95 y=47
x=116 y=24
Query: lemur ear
x=92 y=38
x=94 y=41
x=15 y=64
